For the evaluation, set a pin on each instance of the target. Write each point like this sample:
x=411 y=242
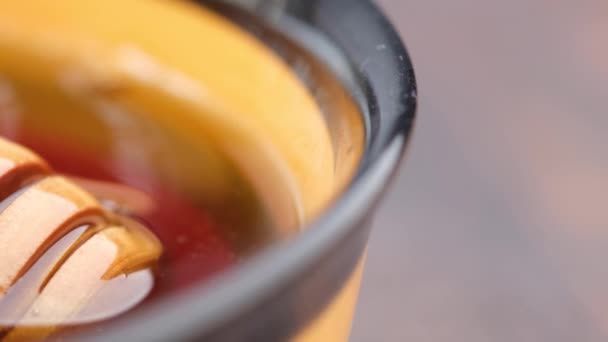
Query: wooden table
x=497 y=229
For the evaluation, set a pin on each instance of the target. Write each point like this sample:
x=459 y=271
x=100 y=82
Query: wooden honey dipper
x=38 y=209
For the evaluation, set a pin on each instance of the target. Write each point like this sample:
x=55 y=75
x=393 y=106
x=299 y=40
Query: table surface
x=497 y=229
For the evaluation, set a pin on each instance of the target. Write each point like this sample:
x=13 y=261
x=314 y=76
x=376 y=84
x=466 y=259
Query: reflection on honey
x=62 y=253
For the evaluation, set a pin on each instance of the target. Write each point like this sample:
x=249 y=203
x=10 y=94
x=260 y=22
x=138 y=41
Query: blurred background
x=497 y=228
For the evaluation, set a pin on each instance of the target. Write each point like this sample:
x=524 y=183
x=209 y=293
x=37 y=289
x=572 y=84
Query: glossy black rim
x=236 y=303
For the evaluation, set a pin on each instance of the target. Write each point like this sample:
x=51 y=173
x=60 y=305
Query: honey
x=50 y=275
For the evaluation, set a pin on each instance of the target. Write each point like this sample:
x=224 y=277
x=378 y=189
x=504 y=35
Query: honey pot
x=179 y=170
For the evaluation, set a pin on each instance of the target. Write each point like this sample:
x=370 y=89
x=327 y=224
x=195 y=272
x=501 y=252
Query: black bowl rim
x=381 y=61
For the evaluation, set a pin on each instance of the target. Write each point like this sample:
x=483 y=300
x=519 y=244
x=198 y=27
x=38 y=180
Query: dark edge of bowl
x=284 y=287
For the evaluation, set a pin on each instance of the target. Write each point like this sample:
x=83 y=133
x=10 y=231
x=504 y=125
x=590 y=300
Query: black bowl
x=277 y=293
